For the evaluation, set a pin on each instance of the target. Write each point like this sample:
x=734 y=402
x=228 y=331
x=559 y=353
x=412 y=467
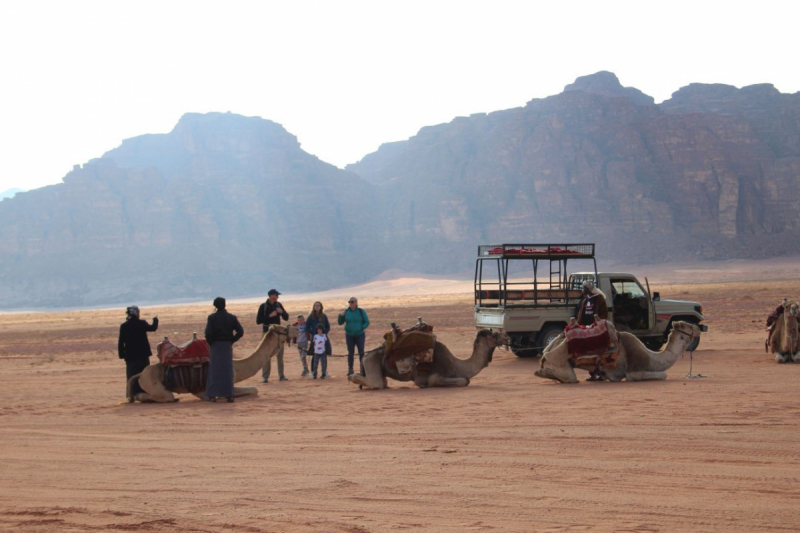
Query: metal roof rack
x=536 y=251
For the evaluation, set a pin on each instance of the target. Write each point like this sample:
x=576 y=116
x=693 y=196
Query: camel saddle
x=592 y=345
x=411 y=349
x=195 y=351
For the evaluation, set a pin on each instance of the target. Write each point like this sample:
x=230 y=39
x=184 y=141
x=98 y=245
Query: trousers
x=353 y=342
x=267 y=368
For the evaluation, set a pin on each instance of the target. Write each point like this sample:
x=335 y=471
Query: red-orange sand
x=511 y=452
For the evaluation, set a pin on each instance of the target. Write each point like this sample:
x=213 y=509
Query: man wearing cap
x=133 y=345
x=271 y=312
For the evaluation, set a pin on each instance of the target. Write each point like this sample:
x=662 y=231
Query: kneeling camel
x=152 y=378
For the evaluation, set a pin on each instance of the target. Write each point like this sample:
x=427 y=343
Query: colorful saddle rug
x=410 y=349
x=195 y=351
x=592 y=345
x=193 y=378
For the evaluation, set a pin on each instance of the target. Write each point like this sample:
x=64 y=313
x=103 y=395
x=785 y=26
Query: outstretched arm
x=154 y=327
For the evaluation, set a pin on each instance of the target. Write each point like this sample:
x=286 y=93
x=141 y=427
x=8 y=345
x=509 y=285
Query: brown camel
x=785 y=339
x=446 y=370
x=152 y=378
x=634 y=363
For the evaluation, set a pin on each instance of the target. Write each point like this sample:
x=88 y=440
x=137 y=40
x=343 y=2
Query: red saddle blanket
x=195 y=351
x=591 y=345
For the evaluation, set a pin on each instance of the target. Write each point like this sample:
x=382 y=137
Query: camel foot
x=546 y=373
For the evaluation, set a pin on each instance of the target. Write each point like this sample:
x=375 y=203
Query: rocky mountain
x=232 y=205
x=10 y=193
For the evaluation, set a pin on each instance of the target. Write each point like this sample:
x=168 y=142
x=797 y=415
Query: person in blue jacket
x=356 y=322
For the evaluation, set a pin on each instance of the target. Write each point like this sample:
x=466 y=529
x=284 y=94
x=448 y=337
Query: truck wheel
x=547 y=335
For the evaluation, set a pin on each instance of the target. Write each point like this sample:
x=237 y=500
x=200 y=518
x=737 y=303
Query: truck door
x=631 y=305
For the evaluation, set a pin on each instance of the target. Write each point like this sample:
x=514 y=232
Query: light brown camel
x=634 y=363
x=152 y=378
x=785 y=339
x=446 y=370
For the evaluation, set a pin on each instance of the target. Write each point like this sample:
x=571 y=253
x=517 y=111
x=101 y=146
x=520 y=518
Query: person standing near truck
x=593 y=305
x=356 y=322
x=133 y=345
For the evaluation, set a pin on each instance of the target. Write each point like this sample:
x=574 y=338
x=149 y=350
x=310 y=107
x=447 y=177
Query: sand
x=511 y=452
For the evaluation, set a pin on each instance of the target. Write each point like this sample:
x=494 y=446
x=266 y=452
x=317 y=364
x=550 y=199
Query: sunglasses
x=352 y=302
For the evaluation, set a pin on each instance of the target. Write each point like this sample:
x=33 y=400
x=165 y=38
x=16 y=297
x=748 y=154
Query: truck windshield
x=626 y=286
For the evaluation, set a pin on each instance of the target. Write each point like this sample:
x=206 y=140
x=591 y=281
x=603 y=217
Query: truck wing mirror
x=656 y=296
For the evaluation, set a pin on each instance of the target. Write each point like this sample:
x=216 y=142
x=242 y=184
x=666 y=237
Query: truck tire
x=548 y=334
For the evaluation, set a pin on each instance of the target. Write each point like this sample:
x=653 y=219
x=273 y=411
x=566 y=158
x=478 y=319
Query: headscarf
x=132 y=312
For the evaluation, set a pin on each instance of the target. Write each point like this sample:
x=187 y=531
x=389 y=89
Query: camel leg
x=615 y=375
x=437 y=380
x=556 y=365
x=154 y=389
x=796 y=357
x=238 y=392
x=781 y=358
x=645 y=376
x=374 y=378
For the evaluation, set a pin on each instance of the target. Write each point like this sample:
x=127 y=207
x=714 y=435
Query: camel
x=151 y=379
x=634 y=363
x=447 y=370
x=785 y=339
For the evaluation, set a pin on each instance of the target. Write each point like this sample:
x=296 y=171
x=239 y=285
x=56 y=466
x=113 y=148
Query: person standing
x=356 y=322
x=593 y=305
x=302 y=342
x=271 y=312
x=133 y=345
x=222 y=331
x=315 y=318
x=320 y=353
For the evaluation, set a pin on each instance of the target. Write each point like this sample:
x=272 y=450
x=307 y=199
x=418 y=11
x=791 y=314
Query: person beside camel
x=317 y=316
x=271 y=312
x=356 y=322
x=302 y=342
x=771 y=319
x=592 y=306
x=222 y=331
x=133 y=345
x=320 y=353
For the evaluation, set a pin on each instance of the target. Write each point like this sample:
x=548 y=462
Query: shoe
x=207 y=399
x=284 y=378
x=350 y=372
x=230 y=399
x=314 y=376
x=305 y=373
x=264 y=380
x=326 y=375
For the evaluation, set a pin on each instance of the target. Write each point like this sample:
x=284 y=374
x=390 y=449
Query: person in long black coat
x=133 y=345
x=222 y=330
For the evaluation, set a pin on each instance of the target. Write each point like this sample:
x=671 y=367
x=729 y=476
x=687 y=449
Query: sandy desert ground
x=510 y=452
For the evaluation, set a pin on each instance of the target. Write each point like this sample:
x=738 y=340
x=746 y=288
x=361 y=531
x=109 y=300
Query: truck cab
x=526 y=291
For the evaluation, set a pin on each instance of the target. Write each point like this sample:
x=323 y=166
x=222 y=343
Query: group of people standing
x=223 y=330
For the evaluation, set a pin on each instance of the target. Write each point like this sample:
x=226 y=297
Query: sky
x=78 y=77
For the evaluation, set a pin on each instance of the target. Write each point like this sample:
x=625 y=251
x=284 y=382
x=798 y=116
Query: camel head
x=791 y=308
x=493 y=339
x=289 y=332
x=688 y=332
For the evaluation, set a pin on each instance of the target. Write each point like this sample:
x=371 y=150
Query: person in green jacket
x=356 y=322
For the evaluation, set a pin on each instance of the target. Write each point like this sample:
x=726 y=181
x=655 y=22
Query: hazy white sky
x=78 y=77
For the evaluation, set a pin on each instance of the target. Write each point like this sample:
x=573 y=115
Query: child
x=302 y=342
x=319 y=353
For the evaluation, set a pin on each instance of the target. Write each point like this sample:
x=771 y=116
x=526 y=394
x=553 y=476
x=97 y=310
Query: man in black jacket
x=133 y=345
x=271 y=312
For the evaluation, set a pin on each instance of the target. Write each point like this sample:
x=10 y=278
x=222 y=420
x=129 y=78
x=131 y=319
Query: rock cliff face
x=231 y=205
x=713 y=172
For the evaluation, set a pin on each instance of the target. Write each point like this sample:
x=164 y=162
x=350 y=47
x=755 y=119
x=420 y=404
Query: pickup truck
x=526 y=291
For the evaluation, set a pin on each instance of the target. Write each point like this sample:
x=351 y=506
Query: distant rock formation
x=232 y=205
x=10 y=193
